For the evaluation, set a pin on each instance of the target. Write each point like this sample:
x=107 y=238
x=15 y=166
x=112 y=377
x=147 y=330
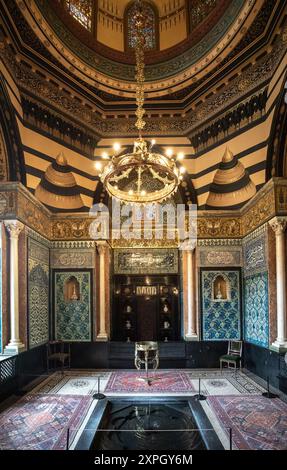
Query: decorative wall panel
x=73 y=258
x=256 y=314
x=220 y=256
x=255 y=253
x=38 y=293
x=72 y=303
x=141 y=261
x=221 y=306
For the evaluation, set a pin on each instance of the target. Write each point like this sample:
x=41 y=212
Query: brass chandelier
x=142 y=176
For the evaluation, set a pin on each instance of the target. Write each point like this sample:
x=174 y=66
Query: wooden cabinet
x=146 y=308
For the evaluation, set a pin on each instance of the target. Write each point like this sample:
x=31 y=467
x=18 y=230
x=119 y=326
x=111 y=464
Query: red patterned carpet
x=258 y=423
x=40 y=422
x=166 y=382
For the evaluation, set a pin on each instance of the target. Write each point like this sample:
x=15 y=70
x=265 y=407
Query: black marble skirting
x=266 y=363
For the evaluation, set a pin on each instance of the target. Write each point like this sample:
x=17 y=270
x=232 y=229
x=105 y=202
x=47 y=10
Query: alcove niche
x=220 y=288
x=72 y=289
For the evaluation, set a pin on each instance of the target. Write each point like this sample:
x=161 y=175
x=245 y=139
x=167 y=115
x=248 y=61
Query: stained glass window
x=150 y=26
x=81 y=10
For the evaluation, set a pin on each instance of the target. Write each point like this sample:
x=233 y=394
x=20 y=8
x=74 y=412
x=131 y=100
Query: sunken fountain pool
x=165 y=423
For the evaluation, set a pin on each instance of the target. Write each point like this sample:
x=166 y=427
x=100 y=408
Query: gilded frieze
x=259 y=213
x=33 y=214
x=62 y=229
x=7 y=204
x=219 y=227
x=281 y=199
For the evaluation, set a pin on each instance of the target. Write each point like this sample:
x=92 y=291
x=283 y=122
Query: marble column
x=102 y=333
x=279 y=224
x=14 y=227
x=191 y=309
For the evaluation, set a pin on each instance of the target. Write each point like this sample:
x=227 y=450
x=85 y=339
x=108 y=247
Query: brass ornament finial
x=61 y=159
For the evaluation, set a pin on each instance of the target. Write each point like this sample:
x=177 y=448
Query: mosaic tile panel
x=256 y=312
x=73 y=317
x=255 y=259
x=220 y=319
x=38 y=293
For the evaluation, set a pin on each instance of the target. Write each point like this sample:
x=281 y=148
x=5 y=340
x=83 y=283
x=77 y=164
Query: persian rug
x=213 y=382
x=165 y=381
x=40 y=422
x=258 y=423
x=73 y=383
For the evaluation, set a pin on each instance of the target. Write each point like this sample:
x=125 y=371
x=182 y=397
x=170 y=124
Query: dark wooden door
x=146 y=318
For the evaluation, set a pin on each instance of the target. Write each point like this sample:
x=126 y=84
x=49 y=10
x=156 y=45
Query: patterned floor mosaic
x=257 y=422
x=40 y=422
x=213 y=382
x=73 y=383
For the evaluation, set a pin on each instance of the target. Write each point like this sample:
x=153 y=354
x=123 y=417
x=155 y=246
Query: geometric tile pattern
x=73 y=383
x=256 y=311
x=257 y=422
x=214 y=382
x=220 y=320
x=73 y=317
x=40 y=422
x=38 y=293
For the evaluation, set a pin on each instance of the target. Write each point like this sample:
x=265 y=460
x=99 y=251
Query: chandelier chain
x=139 y=76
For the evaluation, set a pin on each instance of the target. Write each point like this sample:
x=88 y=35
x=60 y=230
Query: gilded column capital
x=14 y=228
x=278 y=225
x=102 y=247
x=188 y=245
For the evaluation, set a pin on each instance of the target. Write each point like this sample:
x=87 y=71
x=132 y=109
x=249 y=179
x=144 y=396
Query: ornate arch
x=11 y=140
x=152 y=31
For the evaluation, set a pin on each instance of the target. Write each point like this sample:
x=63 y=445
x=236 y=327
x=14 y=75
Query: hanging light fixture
x=142 y=176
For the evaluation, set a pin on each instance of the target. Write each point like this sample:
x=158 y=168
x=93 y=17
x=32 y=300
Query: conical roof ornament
x=231 y=186
x=58 y=188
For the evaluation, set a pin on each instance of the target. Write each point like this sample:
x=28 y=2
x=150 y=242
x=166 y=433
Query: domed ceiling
x=190 y=39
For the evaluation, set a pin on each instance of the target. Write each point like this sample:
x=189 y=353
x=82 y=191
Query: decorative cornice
x=30 y=82
x=220 y=242
x=74 y=244
x=35 y=113
x=245 y=110
x=19 y=203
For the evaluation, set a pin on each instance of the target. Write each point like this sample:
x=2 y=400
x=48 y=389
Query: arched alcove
x=220 y=288
x=72 y=289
